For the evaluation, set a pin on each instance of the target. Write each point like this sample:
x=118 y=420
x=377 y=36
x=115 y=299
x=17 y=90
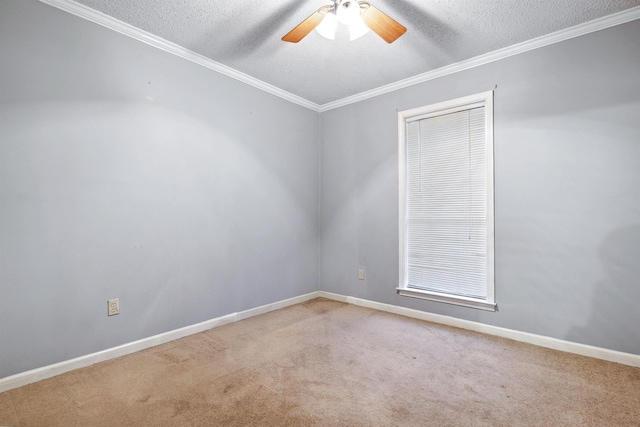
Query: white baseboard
x=539 y=340
x=335 y=297
x=275 y=306
x=45 y=372
x=28 y=377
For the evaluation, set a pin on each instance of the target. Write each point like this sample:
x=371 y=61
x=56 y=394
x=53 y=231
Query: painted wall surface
x=128 y=172
x=567 y=190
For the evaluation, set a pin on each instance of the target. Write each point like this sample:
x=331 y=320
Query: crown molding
x=128 y=30
x=542 y=41
x=114 y=24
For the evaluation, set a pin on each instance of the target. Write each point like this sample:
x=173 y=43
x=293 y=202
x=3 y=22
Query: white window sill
x=446 y=298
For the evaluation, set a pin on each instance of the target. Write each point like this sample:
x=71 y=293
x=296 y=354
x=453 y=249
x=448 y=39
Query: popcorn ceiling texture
x=245 y=35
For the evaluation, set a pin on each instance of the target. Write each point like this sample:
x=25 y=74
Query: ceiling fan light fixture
x=357 y=29
x=327 y=27
x=348 y=11
x=359 y=15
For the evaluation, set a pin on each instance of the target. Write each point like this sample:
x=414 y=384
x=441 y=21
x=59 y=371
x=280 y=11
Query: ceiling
x=245 y=35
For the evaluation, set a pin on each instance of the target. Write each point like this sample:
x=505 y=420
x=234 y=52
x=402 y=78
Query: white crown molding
x=542 y=41
x=114 y=24
x=123 y=28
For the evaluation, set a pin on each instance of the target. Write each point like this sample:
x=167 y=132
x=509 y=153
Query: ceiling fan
x=360 y=16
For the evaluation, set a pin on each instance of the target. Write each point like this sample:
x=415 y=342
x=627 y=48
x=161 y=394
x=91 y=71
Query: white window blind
x=447 y=205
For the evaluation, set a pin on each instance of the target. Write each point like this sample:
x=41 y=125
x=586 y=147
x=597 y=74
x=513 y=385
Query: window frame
x=460 y=104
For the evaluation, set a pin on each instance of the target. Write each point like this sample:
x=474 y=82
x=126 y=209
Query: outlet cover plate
x=113 y=307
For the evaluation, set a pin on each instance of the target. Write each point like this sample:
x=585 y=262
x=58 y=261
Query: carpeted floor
x=325 y=363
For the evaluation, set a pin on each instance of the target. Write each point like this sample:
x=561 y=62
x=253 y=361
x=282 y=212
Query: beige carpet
x=331 y=364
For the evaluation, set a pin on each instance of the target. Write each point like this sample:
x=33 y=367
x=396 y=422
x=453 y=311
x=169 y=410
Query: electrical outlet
x=361 y=274
x=113 y=307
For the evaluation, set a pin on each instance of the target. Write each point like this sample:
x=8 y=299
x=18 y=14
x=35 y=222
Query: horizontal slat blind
x=446 y=203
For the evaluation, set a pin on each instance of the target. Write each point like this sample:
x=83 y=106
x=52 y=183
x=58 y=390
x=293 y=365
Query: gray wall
x=567 y=190
x=128 y=172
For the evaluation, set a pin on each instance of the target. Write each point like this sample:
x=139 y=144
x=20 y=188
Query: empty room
x=319 y=213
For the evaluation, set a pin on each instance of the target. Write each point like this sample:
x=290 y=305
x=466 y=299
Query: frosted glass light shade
x=327 y=27
x=357 y=29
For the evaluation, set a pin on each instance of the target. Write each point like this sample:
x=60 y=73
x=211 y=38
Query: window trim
x=481 y=99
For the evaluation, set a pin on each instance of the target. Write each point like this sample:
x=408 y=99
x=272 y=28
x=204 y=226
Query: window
x=446 y=202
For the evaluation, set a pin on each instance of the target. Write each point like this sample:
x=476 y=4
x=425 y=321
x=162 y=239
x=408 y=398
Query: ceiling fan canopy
x=359 y=16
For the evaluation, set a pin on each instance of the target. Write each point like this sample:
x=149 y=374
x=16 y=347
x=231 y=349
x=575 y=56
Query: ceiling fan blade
x=382 y=24
x=306 y=26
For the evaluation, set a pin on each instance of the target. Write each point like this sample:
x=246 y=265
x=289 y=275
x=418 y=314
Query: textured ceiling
x=245 y=35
